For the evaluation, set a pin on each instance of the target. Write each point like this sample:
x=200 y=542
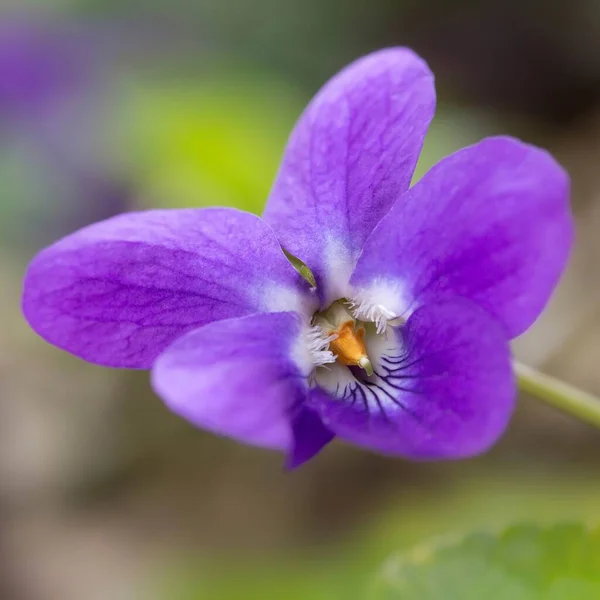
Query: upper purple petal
x=446 y=392
x=352 y=153
x=242 y=378
x=491 y=223
x=119 y=292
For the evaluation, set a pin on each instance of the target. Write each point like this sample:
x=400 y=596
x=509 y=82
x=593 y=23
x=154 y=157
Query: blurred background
x=108 y=106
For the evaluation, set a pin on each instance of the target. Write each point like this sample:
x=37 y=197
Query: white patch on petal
x=278 y=298
x=384 y=300
x=377 y=393
x=386 y=391
x=382 y=345
x=318 y=346
x=364 y=310
x=340 y=266
x=335 y=379
x=312 y=349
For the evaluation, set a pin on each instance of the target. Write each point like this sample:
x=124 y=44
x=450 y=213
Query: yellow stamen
x=349 y=346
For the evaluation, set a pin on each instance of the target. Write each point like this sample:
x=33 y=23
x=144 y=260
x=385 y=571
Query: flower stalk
x=561 y=395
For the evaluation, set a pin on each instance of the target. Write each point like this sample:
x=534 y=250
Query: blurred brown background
x=108 y=106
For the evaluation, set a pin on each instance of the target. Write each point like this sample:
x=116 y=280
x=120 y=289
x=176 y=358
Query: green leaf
x=523 y=562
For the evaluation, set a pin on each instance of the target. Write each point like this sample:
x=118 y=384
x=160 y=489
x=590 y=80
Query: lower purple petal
x=119 y=292
x=447 y=392
x=310 y=436
x=241 y=378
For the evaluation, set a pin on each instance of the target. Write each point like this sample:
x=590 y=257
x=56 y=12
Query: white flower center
x=339 y=335
x=363 y=310
x=318 y=340
x=383 y=303
x=376 y=391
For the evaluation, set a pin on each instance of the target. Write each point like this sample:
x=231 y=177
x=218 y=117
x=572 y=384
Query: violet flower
x=52 y=85
x=42 y=64
x=402 y=343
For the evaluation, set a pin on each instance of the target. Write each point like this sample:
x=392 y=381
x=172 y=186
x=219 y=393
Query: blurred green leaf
x=523 y=562
x=217 y=141
x=342 y=568
x=485 y=501
x=277 y=581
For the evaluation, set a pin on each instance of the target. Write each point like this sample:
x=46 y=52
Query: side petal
x=242 y=378
x=119 y=292
x=352 y=153
x=446 y=392
x=491 y=223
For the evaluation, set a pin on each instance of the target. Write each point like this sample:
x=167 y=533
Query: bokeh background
x=108 y=106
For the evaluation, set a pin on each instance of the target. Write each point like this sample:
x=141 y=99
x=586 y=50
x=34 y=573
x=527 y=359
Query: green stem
x=563 y=396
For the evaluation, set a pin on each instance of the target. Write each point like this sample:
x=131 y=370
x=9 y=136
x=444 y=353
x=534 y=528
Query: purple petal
x=447 y=392
x=239 y=378
x=491 y=223
x=119 y=292
x=352 y=153
x=310 y=436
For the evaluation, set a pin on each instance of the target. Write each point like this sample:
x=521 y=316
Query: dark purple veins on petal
x=447 y=392
x=119 y=292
